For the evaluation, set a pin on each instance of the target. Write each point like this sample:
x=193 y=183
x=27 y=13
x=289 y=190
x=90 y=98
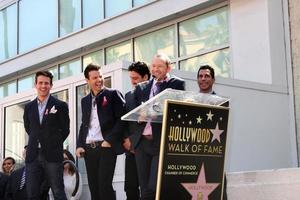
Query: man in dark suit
x=138 y=72
x=47 y=123
x=146 y=140
x=206 y=80
x=100 y=135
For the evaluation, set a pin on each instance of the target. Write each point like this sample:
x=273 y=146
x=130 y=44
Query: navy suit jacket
x=51 y=133
x=141 y=94
x=13 y=191
x=109 y=114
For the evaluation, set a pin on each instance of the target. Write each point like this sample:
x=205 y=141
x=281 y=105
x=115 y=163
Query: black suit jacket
x=109 y=114
x=141 y=94
x=51 y=133
x=13 y=191
x=130 y=127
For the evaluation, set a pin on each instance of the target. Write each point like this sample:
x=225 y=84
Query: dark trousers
x=39 y=170
x=100 y=166
x=131 y=178
x=146 y=156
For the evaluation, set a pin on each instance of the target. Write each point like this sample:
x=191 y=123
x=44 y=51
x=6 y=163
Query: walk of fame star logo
x=201 y=189
x=216 y=133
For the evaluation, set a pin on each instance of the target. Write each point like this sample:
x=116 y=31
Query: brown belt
x=148 y=137
x=94 y=144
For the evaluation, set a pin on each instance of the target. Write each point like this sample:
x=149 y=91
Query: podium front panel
x=192 y=153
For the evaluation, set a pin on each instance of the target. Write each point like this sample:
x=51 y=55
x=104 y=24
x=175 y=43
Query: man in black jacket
x=100 y=135
x=138 y=72
x=47 y=123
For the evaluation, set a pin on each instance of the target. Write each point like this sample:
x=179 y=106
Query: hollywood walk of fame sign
x=192 y=152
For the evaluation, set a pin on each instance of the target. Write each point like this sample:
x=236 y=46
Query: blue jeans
x=40 y=170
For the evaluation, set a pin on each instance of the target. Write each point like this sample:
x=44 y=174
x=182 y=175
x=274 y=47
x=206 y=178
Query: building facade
x=294 y=20
x=247 y=42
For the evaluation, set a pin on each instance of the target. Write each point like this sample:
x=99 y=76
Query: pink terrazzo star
x=201 y=189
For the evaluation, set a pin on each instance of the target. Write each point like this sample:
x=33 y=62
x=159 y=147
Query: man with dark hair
x=206 y=79
x=146 y=139
x=47 y=123
x=138 y=72
x=100 y=135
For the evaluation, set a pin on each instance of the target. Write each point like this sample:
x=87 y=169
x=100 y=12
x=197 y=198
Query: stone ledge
x=280 y=184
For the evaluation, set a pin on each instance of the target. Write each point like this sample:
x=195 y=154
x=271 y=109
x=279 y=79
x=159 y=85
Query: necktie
x=157 y=88
x=22 y=183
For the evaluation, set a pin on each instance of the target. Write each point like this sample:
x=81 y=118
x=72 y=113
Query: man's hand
x=80 y=152
x=105 y=144
x=127 y=144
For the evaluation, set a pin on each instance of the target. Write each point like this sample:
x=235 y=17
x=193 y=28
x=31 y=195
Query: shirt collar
x=44 y=102
x=210 y=92
x=166 y=79
x=94 y=96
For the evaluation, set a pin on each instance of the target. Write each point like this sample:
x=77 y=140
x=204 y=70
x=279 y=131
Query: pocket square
x=53 y=110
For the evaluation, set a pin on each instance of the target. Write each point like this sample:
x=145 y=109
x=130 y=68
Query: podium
x=193 y=143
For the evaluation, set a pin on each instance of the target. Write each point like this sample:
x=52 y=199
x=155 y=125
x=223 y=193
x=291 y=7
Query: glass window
x=219 y=60
x=54 y=72
x=146 y=46
x=69 y=16
x=81 y=91
x=8 y=32
x=8 y=89
x=92 y=12
x=118 y=52
x=113 y=7
x=1 y=91
x=15 y=135
x=140 y=2
x=204 y=32
x=107 y=82
x=26 y=83
x=38 y=27
x=69 y=68
x=95 y=57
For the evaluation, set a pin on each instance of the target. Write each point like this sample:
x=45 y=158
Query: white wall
x=261 y=131
x=250 y=44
